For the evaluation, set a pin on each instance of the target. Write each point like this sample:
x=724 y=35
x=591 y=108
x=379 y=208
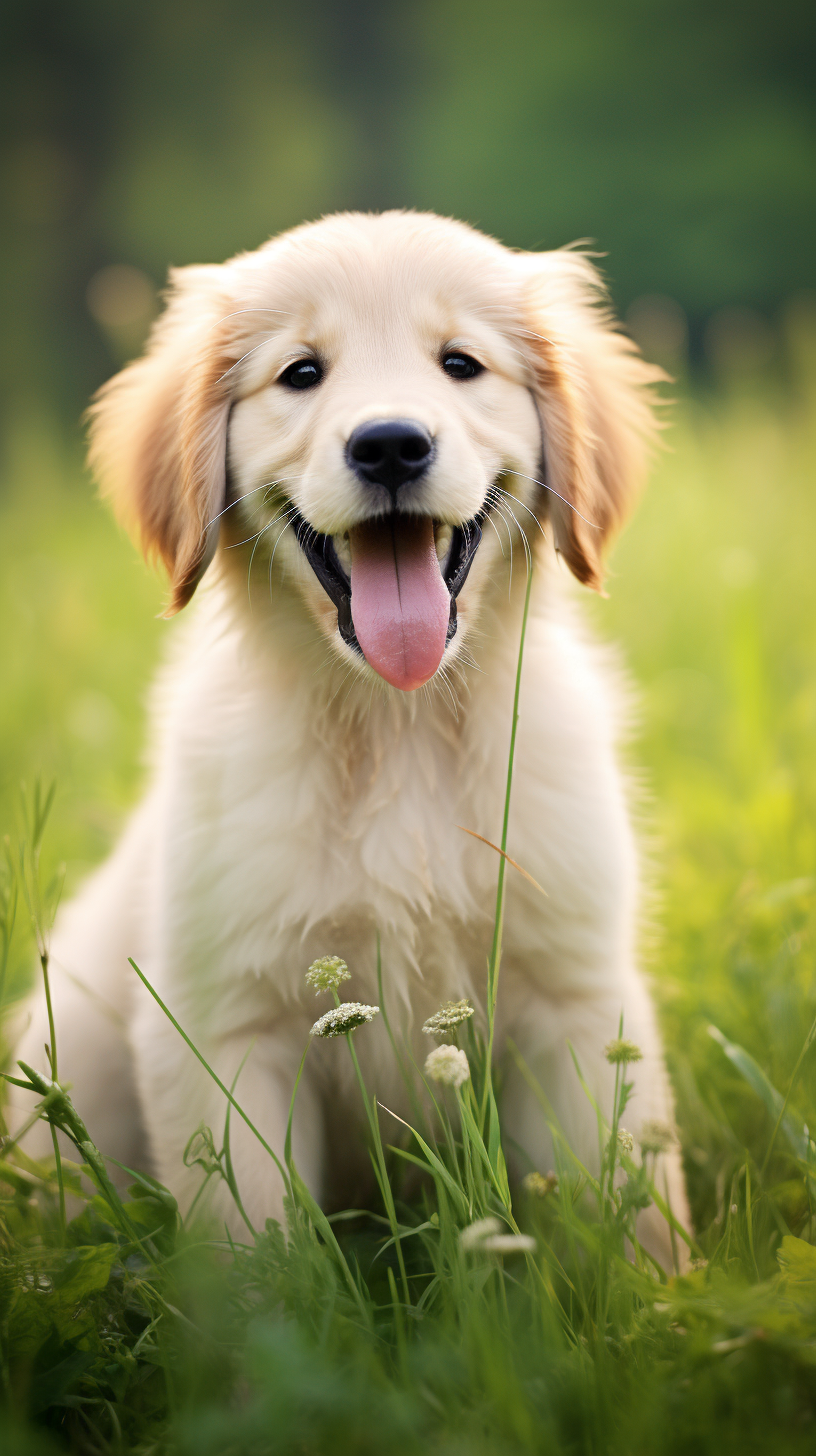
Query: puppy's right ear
x=158 y=432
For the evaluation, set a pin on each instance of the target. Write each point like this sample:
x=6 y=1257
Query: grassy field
x=126 y=1333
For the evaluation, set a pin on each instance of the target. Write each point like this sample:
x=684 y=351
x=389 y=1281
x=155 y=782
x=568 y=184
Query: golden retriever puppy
x=357 y=433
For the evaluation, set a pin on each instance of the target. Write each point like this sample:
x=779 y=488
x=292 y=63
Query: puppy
x=361 y=434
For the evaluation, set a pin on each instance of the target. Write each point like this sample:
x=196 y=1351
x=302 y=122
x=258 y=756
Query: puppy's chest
x=383 y=831
x=330 y=846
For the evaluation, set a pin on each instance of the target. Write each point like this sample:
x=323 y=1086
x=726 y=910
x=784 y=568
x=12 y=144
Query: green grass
x=127 y=1332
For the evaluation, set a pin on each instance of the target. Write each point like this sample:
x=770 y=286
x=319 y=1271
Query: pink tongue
x=399 y=603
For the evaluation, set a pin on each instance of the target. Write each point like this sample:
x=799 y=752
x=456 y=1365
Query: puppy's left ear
x=159 y=431
x=595 y=399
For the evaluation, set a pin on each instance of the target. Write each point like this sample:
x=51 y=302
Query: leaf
x=434 y=1165
x=15 y=1180
x=82 y=1271
x=51 y=1387
x=793 y=1129
x=797 y=1260
x=405 y=1232
x=496 y=1170
x=439 y=1172
x=49 y=1304
x=29 y=1323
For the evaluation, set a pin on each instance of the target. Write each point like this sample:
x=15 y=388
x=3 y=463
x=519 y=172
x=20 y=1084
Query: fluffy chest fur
x=291 y=821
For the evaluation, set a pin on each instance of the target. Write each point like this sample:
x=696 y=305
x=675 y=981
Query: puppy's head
x=375 y=409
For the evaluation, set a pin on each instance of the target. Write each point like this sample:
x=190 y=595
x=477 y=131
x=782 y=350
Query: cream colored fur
x=298 y=806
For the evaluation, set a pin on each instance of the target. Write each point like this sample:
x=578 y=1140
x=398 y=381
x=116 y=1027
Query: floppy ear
x=596 y=407
x=158 y=432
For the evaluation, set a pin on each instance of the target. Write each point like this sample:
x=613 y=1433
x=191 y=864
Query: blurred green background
x=681 y=138
x=679 y=135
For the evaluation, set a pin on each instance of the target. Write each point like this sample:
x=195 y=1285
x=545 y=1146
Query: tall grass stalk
x=41 y=905
x=488 y=1100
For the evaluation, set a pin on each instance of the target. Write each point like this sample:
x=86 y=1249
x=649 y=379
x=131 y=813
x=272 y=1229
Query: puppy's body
x=298 y=805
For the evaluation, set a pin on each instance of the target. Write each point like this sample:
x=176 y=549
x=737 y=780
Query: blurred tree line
x=679 y=135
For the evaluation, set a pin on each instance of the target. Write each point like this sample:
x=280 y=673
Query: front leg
x=544 y=1030
x=178 y=1095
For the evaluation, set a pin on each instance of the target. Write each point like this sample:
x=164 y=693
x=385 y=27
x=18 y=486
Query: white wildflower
x=509 y=1244
x=540 y=1184
x=491 y=1236
x=626 y=1142
x=344 y=1018
x=474 y=1235
x=655 y=1136
x=453 y=1013
x=449 y=1065
x=327 y=973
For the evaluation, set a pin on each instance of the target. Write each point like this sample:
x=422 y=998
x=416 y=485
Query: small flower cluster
x=626 y=1142
x=327 y=973
x=344 y=1018
x=620 y=1050
x=655 y=1136
x=541 y=1185
x=488 y=1235
x=453 y=1013
x=449 y=1065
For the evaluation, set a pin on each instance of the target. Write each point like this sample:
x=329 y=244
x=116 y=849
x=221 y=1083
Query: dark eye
x=461 y=366
x=303 y=374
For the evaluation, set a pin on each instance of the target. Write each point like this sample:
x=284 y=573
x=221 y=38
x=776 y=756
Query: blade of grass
x=495 y=951
x=232 y=1182
x=380 y=1168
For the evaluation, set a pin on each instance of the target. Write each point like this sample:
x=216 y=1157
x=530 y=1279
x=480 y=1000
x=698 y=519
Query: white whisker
x=498 y=507
x=520 y=530
x=563 y=498
x=531 y=334
x=352 y=668
x=521 y=503
x=238 y=362
x=491 y=522
x=249 y=567
x=275 y=547
x=289 y=510
x=444 y=684
x=266 y=485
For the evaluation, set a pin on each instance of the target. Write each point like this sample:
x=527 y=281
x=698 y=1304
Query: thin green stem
x=287 y=1146
x=383 y=1179
x=52 y=1031
x=229 y=1170
x=468 y=1168
x=417 y=1110
x=498 y=923
x=51 y=1050
x=6 y=931
x=783 y=1109
x=399 y=1324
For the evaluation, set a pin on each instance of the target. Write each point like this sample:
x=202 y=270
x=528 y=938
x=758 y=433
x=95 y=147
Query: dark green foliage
x=679 y=137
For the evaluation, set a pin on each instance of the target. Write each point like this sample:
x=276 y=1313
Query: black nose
x=390 y=452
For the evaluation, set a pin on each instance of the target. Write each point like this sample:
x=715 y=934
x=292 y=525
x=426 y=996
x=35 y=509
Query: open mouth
x=394 y=580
